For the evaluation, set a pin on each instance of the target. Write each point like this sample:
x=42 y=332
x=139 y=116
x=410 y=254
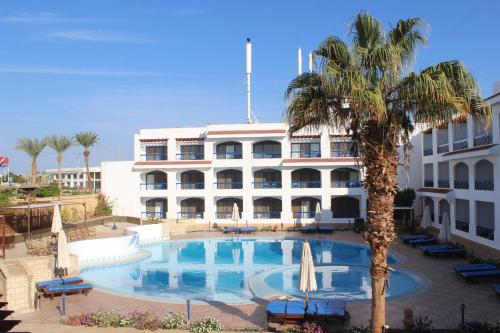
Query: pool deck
x=440 y=301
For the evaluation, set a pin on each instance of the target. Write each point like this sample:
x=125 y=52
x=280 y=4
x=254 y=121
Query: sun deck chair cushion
x=406 y=238
x=325 y=228
x=446 y=251
x=48 y=283
x=497 y=288
x=421 y=241
x=67 y=281
x=478 y=274
x=248 y=229
x=295 y=308
x=472 y=267
x=435 y=247
x=309 y=228
x=70 y=288
x=229 y=230
x=276 y=307
x=326 y=308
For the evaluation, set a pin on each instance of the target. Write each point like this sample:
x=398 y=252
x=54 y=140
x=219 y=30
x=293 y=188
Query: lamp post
x=29 y=190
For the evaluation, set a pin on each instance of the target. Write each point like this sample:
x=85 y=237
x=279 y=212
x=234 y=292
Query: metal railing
x=459 y=145
x=461 y=184
x=306 y=183
x=483 y=140
x=225 y=215
x=153 y=186
x=190 y=215
x=266 y=154
x=153 y=157
x=229 y=185
x=304 y=215
x=305 y=153
x=266 y=184
x=154 y=215
x=191 y=185
x=461 y=225
x=229 y=156
x=267 y=215
x=428 y=151
x=443 y=149
x=346 y=183
x=444 y=183
x=343 y=153
x=484 y=232
x=428 y=183
x=484 y=185
x=190 y=156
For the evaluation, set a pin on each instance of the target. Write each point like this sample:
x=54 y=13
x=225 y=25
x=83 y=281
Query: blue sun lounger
x=422 y=241
x=40 y=286
x=435 y=247
x=470 y=276
x=328 y=309
x=459 y=268
x=229 y=230
x=286 y=311
x=497 y=289
x=247 y=230
x=325 y=229
x=450 y=251
x=406 y=238
x=309 y=229
x=54 y=290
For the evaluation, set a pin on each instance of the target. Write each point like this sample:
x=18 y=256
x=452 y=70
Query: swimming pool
x=235 y=270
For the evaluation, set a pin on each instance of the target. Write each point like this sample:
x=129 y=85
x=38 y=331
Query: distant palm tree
x=60 y=144
x=368 y=89
x=32 y=147
x=87 y=140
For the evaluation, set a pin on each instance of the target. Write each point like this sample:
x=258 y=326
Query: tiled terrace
x=440 y=302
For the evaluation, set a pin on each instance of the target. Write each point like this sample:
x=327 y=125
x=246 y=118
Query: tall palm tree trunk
x=59 y=172
x=33 y=172
x=86 y=153
x=380 y=160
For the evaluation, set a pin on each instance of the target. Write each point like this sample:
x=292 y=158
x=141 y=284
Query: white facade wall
x=75 y=177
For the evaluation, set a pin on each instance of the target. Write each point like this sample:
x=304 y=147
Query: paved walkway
x=440 y=302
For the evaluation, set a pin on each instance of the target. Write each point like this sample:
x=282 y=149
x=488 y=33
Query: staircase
x=7 y=324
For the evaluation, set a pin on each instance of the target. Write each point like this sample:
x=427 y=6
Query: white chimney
x=310 y=62
x=300 y=61
x=248 y=72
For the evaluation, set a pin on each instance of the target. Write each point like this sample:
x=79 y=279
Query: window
x=306 y=150
x=156 y=153
x=191 y=152
x=344 y=149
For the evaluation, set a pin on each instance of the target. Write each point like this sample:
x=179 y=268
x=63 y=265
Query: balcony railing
x=461 y=225
x=191 y=185
x=153 y=157
x=190 y=215
x=225 y=215
x=443 y=183
x=343 y=153
x=483 y=140
x=459 y=145
x=304 y=215
x=484 y=185
x=267 y=215
x=306 y=183
x=266 y=154
x=229 y=156
x=153 y=186
x=443 y=149
x=428 y=183
x=266 y=184
x=484 y=232
x=305 y=153
x=428 y=151
x=190 y=156
x=346 y=183
x=229 y=185
x=461 y=184
x=154 y=215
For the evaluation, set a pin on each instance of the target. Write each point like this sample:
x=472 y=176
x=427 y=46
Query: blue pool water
x=239 y=269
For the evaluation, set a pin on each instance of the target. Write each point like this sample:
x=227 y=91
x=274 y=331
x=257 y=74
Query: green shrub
x=172 y=321
x=5 y=197
x=144 y=321
x=404 y=198
x=207 y=325
x=109 y=319
x=103 y=207
x=47 y=191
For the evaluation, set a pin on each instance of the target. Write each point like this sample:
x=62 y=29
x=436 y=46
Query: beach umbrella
x=317 y=214
x=63 y=260
x=307 y=276
x=426 y=219
x=445 y=231
x=236 y=214
x=56 y=220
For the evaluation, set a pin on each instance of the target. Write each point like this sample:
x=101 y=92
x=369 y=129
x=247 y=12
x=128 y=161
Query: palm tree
x=60 y=144
x=32 y=147
x=369 y=90
x=87 y=140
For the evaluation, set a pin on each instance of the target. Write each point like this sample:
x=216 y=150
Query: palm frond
x=366 y=31
x=59 y=143
x=32 y=147
x=87 y=139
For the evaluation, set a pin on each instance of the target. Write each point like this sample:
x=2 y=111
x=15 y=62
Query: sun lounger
x=286 y=311
x=472 y=267
x=325 y=229
x=229 y=230
x=40 y=286
x=435 y=247
x=309 y=229
x=247 y=230
x=327 y=309
x=497 y=289
x=470 y=276
x=56 y=290
x=451 y=251
x=406 y=238
x=422 y=241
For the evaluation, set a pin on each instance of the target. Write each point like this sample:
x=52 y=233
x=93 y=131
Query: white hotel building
x=199 y=173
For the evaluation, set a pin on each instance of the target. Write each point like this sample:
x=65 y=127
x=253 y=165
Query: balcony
x=154 y=215
x=461 y=225
x=190 y=156
x=484 y=185
x=484 y=232
x=190 y=215
x=443 y=183
x=347 y=184
x=305 y=153
x=459 y=145
x=191 y=185
x=229 y=185
x=343 y=153
x=153 y=186
x=266 y=154
x=483 y=140
x=224 y=215
x=154 y=157
x=229 y=156
x=304 y=215
x=428 y=183
x=306 y=184
x=267 y=215
x=428 y=151
x=461 y=184
x=261 y=185
x=443 y=149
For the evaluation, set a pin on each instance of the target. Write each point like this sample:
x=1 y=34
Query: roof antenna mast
x=251 y=119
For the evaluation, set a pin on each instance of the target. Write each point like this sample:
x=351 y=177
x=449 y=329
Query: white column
x=434 y=141
x=472 y=219
x=450 y=136
x=362 y=205
x=470 y=131
x=286 y=197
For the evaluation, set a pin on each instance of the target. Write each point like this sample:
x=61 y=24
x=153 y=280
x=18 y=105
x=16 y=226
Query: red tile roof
x=189 y=139
x=153 y=140
x=434 y=190
x=173 y=162
x=269 y=131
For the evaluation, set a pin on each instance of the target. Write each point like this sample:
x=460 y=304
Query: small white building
x=75 y=178
x=201 y=173
x=461 y=176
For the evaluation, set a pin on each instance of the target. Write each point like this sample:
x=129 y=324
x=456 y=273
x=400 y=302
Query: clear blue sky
x=117 y=66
